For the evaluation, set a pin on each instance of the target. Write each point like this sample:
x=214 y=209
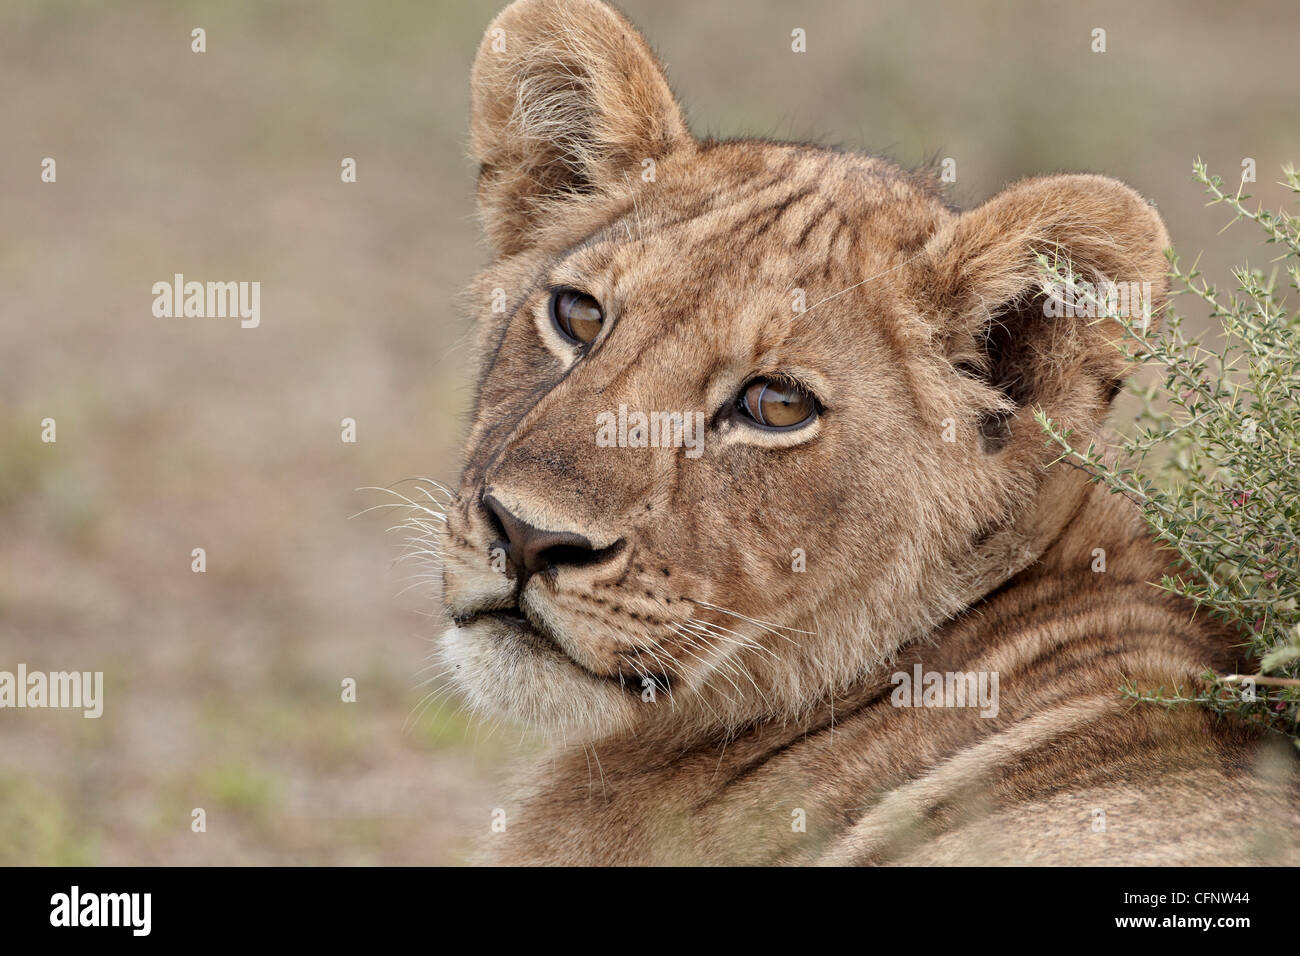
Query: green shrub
x=1213 y=459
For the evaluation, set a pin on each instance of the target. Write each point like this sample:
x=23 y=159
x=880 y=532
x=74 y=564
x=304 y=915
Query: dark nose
x=531 y=549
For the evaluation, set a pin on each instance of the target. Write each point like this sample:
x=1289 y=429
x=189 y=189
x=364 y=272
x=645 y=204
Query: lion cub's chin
x=504 y=675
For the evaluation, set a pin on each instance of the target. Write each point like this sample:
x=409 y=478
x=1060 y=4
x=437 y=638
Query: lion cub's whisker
x=715 y=667
x=417 y=505
x=728 y=662
x=767 y=626
x=748 y=642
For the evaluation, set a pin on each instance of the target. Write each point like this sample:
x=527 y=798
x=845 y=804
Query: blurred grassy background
x=222 y=689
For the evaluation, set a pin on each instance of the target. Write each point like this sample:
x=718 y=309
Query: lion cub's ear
x=981 y=282
x=567 y=100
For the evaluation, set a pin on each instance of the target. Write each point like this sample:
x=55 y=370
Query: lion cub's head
x=749 y=414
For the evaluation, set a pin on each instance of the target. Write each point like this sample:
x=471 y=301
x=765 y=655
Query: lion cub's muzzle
x=530 y=550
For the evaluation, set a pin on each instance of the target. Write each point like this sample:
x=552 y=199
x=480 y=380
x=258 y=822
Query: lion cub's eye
x=576 y=314
x=774 y=403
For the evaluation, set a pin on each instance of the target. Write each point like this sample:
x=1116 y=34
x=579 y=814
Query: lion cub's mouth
x=539 y=636
x=511 y=616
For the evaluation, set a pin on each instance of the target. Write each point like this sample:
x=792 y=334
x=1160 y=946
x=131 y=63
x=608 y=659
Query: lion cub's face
x=726 y=455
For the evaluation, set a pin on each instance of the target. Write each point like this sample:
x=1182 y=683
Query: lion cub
x=755 y=520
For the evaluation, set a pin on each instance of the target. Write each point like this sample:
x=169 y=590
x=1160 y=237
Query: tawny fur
x=961 y=555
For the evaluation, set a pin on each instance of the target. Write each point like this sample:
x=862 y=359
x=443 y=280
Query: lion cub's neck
x=1060 y=636
x=1097 y=581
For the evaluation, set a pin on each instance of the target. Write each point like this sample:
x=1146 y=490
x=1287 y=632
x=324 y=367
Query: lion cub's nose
x=531 y=549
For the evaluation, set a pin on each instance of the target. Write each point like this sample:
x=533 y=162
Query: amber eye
x=775 y=403
x=576 y=314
